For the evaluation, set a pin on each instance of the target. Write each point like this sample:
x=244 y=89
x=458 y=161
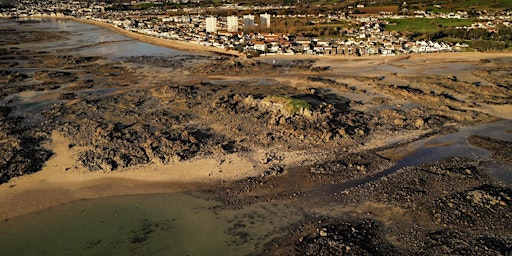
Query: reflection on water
x=455 y=145
x=438 y=148
x=89 y=40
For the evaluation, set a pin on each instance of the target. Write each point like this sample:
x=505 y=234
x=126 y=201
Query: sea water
x=162 y=224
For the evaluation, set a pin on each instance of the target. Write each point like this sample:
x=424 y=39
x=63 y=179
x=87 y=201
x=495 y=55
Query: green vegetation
x=424 y=25
x=451 y=4
x=433 y=9
x=484 y=3
x=290 y=105
x=479 y=39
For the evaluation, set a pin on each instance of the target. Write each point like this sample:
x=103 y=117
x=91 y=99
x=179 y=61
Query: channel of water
x=437 y=148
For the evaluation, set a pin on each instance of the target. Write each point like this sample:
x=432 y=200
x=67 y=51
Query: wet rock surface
x=329 y=237
x=501 y=149
x=21 y=148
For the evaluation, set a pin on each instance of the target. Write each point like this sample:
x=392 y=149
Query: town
x=254 y=33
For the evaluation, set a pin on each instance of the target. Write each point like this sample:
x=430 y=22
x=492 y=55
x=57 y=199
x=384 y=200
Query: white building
x=232 y=24
x=211 y=24
x=248 y=21
x=265 y=20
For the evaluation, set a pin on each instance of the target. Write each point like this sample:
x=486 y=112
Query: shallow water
x=455 y=144
x=166 y=224
x=89 y=40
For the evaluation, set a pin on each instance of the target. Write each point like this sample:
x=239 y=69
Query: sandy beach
x=61 y=181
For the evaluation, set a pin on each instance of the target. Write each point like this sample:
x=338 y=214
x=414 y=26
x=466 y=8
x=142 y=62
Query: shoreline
x=185 y=46
x=168 y=43
x=429 y=57
x=61 y=181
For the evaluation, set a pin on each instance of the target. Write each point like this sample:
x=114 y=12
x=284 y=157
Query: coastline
x=428 y=57
x=184 y=46
x=169 y=43
x=60 y=181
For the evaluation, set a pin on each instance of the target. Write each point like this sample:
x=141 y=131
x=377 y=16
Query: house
x=323 y=42
x=260 y=46
x=304 y=41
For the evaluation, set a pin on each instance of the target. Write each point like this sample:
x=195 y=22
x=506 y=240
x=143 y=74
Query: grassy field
x=424 y=25
x=485 y=3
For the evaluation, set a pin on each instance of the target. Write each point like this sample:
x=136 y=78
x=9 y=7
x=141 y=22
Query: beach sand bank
x=61 y=181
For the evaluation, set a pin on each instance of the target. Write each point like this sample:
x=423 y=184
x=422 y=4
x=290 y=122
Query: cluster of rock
x=120 y=131
x=324 y=122
x=337 y=237
x=398 y=119
x=247 y=66
x=179 y=61
x=21 y=149
x=476 y=208
x=457 y=195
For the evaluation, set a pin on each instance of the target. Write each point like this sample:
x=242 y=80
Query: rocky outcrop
x=21 y=149
x=115 y=135
x=336 y=237
x=320 y=123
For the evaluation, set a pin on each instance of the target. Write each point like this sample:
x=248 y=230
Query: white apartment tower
x=232 y=24
x=249 y=21
x=265 y=20
x=211 y=24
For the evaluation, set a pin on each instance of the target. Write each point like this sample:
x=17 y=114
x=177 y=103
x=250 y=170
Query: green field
x=424 y=25
x=485 y=3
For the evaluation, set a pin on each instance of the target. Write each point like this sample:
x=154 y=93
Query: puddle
x=452 y=145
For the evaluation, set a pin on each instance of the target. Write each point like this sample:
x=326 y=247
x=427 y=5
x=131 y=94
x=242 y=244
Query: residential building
x=248 y=21
x=211 y=24
x=265 y=20
x=232 y=24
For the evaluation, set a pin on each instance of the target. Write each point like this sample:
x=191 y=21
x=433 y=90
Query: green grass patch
x=424 y=25
x=289 y=104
